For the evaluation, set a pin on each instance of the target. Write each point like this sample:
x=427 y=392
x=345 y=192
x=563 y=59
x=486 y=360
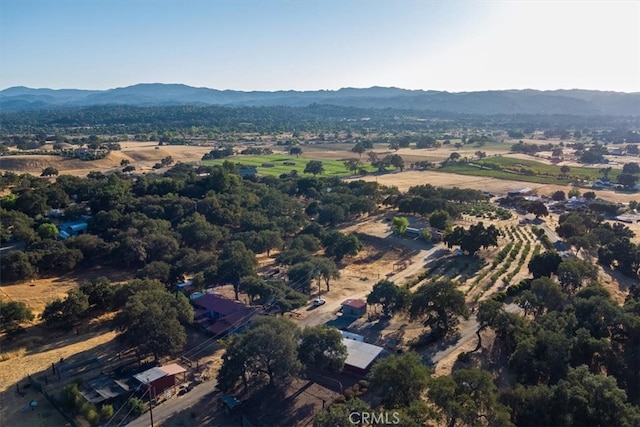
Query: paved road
x=175 y=405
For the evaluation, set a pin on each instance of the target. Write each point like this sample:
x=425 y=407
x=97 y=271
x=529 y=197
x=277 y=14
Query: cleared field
x=525 y=170
x=404 y=180
x=331 y=167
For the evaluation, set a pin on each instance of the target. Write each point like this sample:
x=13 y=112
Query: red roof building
x=219 y=315
x=161 y=378
x=354 y=307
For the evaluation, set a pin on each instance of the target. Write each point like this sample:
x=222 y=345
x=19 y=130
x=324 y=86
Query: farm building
x=360 y=356
x=413 y=231
x=629 y=218
x=219 y=315
x=161 y=378
x=519 y=192
x=602 y=183
x=354 y=307
x=73 y=228
x=103 y=389
x=351 y=336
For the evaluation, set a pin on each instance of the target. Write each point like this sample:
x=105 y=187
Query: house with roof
x=354 y=307
x=218 y=315
x=161 y=378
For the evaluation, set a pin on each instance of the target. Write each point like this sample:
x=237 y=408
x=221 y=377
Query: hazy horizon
x=453 y=46
x=313 y=90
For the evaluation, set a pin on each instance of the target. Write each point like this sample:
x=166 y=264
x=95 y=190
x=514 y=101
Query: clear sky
x=309 y=45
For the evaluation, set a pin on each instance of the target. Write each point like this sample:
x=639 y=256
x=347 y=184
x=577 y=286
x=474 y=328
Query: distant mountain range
x=575 y=102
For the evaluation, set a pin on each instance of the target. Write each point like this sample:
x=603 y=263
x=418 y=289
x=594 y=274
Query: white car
x=318 y=302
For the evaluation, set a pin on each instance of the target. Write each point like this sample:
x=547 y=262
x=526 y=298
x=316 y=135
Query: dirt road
x=313 y=316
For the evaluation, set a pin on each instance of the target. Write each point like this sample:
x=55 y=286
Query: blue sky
x=310 y=45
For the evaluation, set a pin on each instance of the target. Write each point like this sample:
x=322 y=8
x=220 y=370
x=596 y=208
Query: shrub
x=136 y=406
x=91 y=415
x=106 y=412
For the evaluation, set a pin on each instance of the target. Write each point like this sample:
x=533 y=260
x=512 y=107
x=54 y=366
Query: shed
x=103 y=388
x=354 y=307
x=161 y=378
x=360 y=356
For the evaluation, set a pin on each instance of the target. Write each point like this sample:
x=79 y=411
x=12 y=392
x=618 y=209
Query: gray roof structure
x=360 y=354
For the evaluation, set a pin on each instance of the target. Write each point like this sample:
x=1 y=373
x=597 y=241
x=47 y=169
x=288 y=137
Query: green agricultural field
x=525 y=170
x=331 y=167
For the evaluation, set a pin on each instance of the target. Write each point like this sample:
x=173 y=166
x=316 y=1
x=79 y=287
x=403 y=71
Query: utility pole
x=150 y=404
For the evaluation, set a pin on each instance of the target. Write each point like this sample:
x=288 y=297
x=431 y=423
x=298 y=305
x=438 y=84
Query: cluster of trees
x=411 y=396
x=560 y=350
x=472 y=239
x=438 y=304
x=523 y=147
x=427 y=199
x=593 y=154
x=587 y=230
x=219 y=153
x=629 y=175
x=150 y=317
x=175 y=224
x=272 y=351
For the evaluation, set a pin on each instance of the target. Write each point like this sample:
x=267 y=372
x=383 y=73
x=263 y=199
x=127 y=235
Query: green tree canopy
x=399 y=224
x=268 y=350
x=153 y=321
x=12 y=313
x=471 y=240
x=439 y=303
x=400 y=379
x=321 y=348
x=545 y=264
x=468 y=397
x=314 y=167
x=391 y=297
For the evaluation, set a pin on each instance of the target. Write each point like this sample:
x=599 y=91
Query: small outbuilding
x=354 y=307
x=161 y=378
x=360 y=356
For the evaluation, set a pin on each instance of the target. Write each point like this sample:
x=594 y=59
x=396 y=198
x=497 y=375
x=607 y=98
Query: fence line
x=53 y=402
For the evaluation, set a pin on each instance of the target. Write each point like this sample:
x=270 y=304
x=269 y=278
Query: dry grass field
x=142 y=155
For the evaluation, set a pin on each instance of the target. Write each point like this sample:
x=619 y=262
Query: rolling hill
x=576 y=102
